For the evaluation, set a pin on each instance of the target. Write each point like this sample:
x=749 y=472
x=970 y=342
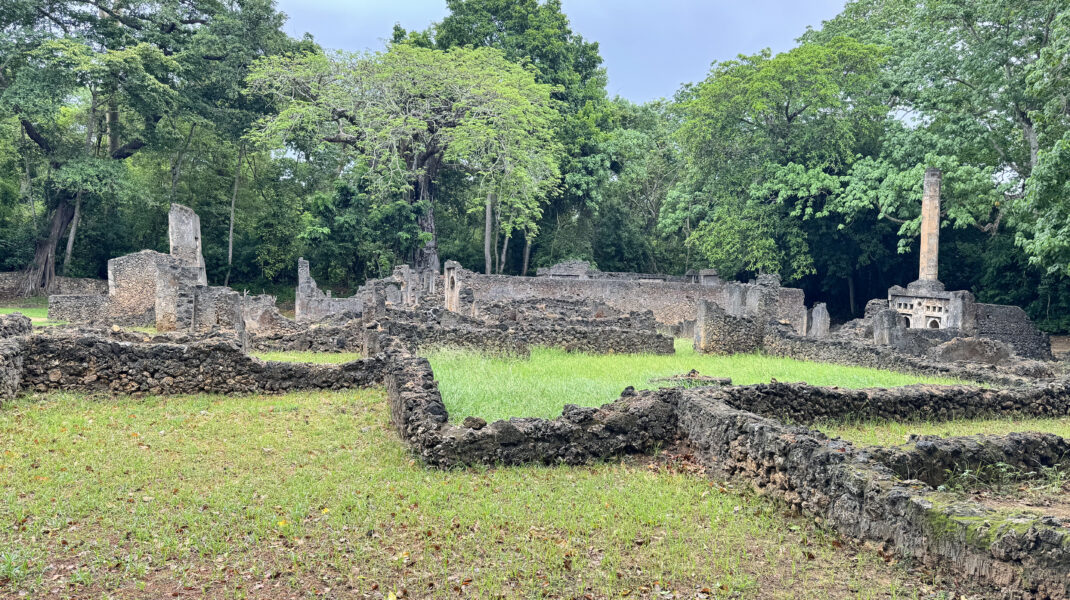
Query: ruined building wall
x=672 y=302
x=311 y=304
x=1010 y=324
x=11 y=284
x=132 y=287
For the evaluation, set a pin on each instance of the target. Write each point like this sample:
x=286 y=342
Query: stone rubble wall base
x=98 y=363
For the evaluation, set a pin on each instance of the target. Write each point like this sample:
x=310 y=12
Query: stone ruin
x=167 y=291
x=921 y=328
x=673 y=300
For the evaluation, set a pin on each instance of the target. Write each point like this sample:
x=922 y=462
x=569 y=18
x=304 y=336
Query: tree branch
x=36 y=136
x=128 y=149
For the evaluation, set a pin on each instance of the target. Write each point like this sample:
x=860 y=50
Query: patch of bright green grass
x=308 y=357
x=495 y=387
x=291 y=496
x=887 y=433
x=38 y=315
x=33 y=313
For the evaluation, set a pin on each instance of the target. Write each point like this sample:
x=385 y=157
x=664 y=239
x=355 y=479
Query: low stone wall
x=777 y=341
x=14 y=324
x=321 y=338
x=11 y=357
x=865 y=499
x=11 y=284
x=97 y=363
x=935 y=460
x=418 y=337
x=12 y=349
x=78 y=308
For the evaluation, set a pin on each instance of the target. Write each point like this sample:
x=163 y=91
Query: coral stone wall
x=11 y=282
x=132 y=287
x=96 y=363
x=1010 y=324
x=672 y=301
x=12 y=349
x=77 y=309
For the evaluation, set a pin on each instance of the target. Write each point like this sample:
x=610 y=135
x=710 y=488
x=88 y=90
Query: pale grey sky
x=650 y=47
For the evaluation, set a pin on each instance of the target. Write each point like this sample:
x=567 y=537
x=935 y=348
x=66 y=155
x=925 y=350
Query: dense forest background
x=489 y=138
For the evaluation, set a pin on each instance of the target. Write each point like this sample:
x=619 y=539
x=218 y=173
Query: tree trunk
x=851 y=294
x=176 y=166
x=487 y=229
x=505 y=250
x=74 y=231
x=427 y=257
x=112 y=119
x=26 y=188
x=527 y=255
x=41 y=274
x=233 y=201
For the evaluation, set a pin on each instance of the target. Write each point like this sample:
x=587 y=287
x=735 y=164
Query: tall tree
x=768 y=139
x=404 y=115
x=130 y=68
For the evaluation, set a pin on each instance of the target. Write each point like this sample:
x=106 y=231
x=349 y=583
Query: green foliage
x=407 y=114
x=769 y=141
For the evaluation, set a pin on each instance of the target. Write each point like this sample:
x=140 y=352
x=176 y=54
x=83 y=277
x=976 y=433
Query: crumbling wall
x=672 y=300
x=12 y=348
x=1011 y=325
x=201 y=309
x=184 y=236
x=636 y=423
x=11 y=285
x=311 y=304
x=77 y=361
x=782 y=342
x=717 y=332
x=863 y=498
x=935 y=460
x=77 y=309
x=132 y=288
x=172 y=279
x=418 y=337
x=861 y=493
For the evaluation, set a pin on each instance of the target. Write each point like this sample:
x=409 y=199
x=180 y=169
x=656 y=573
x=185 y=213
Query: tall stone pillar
x=928 y=269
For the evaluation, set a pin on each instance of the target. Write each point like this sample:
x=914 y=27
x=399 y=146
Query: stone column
x=819 y=321
x=930 y=227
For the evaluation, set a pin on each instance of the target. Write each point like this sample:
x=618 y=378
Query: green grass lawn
x=495 y=387
x=890 y=433
x=313 y=495
x=308 y=357
x=34 y=310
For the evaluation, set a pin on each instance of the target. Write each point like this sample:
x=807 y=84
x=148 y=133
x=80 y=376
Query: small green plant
x=14 y=567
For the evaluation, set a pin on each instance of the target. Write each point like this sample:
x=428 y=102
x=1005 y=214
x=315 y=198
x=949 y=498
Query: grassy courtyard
x=312 y=495
x=495 y=387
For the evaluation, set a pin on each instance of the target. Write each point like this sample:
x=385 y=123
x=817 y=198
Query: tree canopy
x=489 y=138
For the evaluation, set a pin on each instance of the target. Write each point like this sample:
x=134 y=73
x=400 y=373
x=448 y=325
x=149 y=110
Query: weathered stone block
x=819 y=321
x=717 y=332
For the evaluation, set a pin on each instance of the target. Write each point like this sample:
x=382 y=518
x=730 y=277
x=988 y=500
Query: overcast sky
x=650 y=47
